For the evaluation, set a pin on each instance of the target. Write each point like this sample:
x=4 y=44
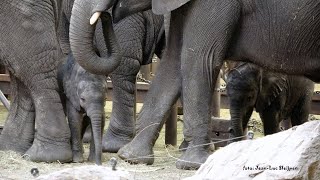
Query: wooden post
x=154 y=66
x=135 y=103
x=171 y=127
x=215 y=106
x=145 y=71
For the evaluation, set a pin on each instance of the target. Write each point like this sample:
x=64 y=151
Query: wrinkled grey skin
x=202 y=34
x=140 y=36
x=84 y=96
x=274 y=96
x=30 y=50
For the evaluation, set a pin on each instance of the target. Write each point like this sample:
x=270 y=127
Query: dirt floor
x=13 y=166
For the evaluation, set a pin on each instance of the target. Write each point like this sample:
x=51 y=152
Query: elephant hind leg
x=121 y=127
x=18 y=133
x=162 y=95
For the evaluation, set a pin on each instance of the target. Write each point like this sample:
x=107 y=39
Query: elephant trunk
x=81 y=40
x=97 y=125
x=236 y=129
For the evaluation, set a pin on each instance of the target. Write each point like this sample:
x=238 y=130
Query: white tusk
x=94 y=17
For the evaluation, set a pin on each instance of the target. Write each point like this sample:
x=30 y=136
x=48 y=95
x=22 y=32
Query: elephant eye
x=82 y=99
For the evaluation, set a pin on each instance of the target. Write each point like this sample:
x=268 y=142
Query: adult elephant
x=29 y=49
x=274 y=96
x=139 y=36
x=202 y=34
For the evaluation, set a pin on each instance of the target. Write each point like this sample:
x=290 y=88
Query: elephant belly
x=282 y=37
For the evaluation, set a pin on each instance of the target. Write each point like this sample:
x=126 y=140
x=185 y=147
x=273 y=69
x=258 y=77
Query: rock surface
x=291 y=154
x=87 y=172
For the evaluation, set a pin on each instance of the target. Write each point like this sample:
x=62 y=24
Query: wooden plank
x=142 y=89
x=4 y=77
x=5 y=87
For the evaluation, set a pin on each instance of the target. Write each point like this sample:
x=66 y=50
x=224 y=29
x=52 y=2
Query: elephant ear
x=166 y=6
x=272 y=85
x=70 y=82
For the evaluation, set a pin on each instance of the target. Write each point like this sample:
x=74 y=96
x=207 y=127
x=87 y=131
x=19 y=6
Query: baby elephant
x=275 y=97
x=83 y=95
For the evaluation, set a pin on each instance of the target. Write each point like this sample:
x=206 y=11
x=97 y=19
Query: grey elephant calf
x=275 y=97
x=83 y=95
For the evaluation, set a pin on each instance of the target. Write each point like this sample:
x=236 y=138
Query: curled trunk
x=81 y=40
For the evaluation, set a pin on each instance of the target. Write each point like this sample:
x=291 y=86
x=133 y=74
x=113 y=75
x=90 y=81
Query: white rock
x=291 y=154
x=91 y=172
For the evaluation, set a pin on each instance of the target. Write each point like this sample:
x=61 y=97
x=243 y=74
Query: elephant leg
x=300 y=113
x=18 y=132
x=52 y=139
x=75 y=124
x=207 y=32
x=86 y=130
x=271 y=119
x=162 y=95
x=121 y=127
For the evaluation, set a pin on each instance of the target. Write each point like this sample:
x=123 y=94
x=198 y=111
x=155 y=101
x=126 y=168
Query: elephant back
x=166 y=6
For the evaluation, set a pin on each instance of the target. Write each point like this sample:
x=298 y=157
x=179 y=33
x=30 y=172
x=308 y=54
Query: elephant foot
x=137 y=153
x=15 y=144
x=112 y=143
x=77 y=157
x=184 y=145
x=192 y=158
x=91 y=157
x=48 y=151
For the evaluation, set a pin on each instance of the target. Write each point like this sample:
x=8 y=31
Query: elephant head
x=243 y=86
x=81 y=39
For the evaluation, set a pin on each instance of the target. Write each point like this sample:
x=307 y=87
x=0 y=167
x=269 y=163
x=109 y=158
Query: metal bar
x=4 y=101
x=145 y=71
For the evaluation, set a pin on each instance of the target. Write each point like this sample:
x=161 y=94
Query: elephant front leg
x=75 y=124
x=206 y=33
x=271 y=119
x=18 y=132
x=52 y=140
x=197 y=113
x=121 y=127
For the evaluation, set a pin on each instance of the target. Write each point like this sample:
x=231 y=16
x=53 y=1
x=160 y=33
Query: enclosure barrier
x=219 y=127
